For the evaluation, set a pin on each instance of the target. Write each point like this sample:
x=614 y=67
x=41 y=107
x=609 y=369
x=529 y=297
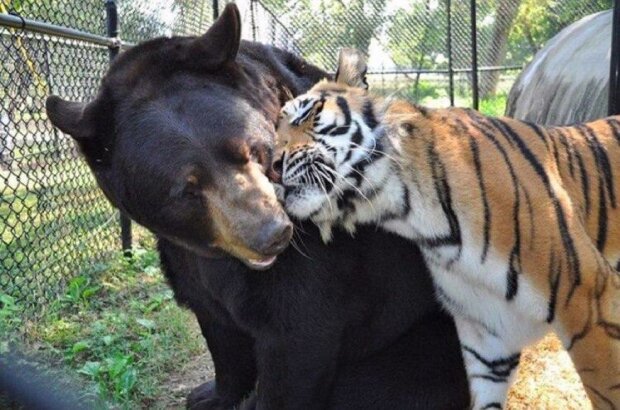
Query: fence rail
x=21 y=23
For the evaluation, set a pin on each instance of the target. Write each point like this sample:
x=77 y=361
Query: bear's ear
x=220 y=43
x=352 y=68
x=70 y=117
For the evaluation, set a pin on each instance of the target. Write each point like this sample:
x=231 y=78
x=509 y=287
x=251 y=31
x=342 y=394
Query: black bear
x=180 y=137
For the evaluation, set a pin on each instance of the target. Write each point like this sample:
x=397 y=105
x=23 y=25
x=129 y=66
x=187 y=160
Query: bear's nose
x=275 y=236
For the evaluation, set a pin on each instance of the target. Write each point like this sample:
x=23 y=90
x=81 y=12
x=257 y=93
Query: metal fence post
x=253 y=18
x=112 y=24
x=474 y=55
x=614 y=72
x=449 y=45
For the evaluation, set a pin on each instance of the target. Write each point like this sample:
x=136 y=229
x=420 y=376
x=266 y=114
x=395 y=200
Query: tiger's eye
x=407 y=128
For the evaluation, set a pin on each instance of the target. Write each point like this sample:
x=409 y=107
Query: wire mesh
x=407 y=41
x=54 y=222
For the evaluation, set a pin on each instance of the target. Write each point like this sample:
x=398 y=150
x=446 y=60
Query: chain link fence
x=54 y=222
x=422 y=49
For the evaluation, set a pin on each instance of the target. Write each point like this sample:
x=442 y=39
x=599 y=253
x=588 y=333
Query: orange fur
x=588 y=318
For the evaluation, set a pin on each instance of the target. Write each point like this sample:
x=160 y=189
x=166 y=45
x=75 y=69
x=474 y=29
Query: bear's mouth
x=260 y=263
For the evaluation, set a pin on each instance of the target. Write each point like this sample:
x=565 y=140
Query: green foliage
x=324 y=26
x=9 y=321
x=80 y=291
x=539 y=20
x=494 y=105
x=122 y=332
x=417 y=36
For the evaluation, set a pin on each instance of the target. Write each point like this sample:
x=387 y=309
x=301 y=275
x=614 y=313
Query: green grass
x=122 y=332
x=434 y=92
x=495 y=105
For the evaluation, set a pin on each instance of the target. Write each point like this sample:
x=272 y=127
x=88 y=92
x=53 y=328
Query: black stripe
x=438 y=241
x=556 y=154
x=611 y=329
x=344 y=107
x=555 y=268
x=356 y=140
x=512 y=283
x=485 y=203
x=585 y=182
x=601 y=236
x=602 y=160
x=600 y=395
x=583 y=332
x=539 y=131
x=489 y=127
x=358 y=168
x=442 y=189
x=345 y=201
x=530 y=212
x=332 y=129
x=490 y=378
x=615 y=128
x=306 y=109
x=494 y=405
x=422 y=110
x=406 y=200
x=293 y=162
x=369 y=115
x=501 y=367
x=567 y=240
x=569 y=150
x=605 y=182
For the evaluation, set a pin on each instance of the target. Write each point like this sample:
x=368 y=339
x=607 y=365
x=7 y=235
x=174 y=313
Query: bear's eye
x=236 y=151
x=192 y=189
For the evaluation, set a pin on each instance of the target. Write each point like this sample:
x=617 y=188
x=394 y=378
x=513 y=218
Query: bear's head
x=180 y=137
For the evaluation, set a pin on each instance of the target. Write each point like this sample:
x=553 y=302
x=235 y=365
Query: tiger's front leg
x=489 y=363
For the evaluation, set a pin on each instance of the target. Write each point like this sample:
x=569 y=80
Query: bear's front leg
x=235 y=368
x=296 y=371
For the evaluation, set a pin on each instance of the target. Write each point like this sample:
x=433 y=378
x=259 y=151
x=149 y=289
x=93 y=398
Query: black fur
x=353 y=325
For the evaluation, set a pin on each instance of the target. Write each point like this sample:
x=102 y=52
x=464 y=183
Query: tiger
x=518 y=223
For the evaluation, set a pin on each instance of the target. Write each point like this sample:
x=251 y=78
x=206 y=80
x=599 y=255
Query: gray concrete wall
x=567 y=81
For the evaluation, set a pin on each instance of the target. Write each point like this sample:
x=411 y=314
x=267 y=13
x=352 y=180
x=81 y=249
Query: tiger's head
x=329 y=139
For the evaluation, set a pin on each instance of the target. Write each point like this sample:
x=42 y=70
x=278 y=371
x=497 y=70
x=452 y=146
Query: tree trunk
x=496 y=51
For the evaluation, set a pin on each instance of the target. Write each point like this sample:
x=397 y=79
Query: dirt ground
x=546 y=380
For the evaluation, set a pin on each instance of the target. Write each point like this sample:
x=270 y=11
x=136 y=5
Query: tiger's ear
x=352 y=68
